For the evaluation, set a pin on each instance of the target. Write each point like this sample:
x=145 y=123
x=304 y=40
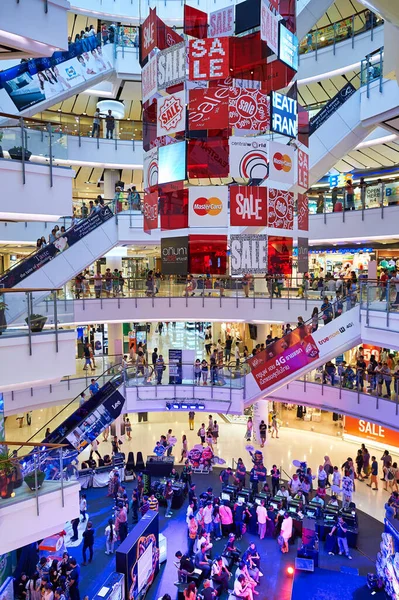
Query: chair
x=130 y=465
x=140 y=462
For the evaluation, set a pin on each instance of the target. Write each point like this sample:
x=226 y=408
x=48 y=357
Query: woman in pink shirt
x=226 y=519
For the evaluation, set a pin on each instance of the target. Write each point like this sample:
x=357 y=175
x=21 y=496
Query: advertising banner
x=248 y=254
x=208 y=108
x=369 y=351
x=175 y=366
x=248 y=206
x=195 y=22
x=282 y=162
x=149 y=34
x=150 y=168
x=208 y=206
x=332 y=105
x=303 y=169
x=150 y=211
x=221 y=22
x=171 y=66
x=249 y=157
x=98 y=343
x=208 y=254
x=149 y=84
x=249 y=109
x=371 y=431
x=174 y=255
x=208 y=59
x=303 y=212
x=172 y=162
x=279 y=252
x=288 y=47
x=303 y=255
x=284 y=114
x=208 y=158
x=171 y=113
x=280 y=209
x=269 y=27
x=65 y=241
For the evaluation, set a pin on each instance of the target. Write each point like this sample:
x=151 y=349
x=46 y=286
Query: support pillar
x=111 y=176
x=115 y=342
x=261 y=413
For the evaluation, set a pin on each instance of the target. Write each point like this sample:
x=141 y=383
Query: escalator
x=57 y=263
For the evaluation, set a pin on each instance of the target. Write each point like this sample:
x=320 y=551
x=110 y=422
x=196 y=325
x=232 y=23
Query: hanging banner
x=269 y=27
x=280 y=209
x=248 y=254
x=221 y=22
x=149 y=34
x=332 y=105
x=208 y=254
x=288 y=47
x=284 y=114
x=303 y=255
x=208 y=108
x=279 y=252
x=248 y=206
x=208 y=59
x=249 y=109
x=208 y=158
x=150 y=168
x=171 y=113
x=303 y=169
x=371 y=431
x=174 y=255
x=195 y=22
x=303 y=212
x=281 y=163
x=149 y=85
x=208 y=206
x=249 y=157
x=369 y=351
x=150 y=211
x=175 y=366
x=98 y=343
x=171 y=66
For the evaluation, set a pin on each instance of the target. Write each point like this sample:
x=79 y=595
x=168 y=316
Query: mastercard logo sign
x=208 y=206
x=282 y=162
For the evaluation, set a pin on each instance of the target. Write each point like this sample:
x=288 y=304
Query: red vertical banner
x=149 y=34
x=279 y=252
x=280 y=209
x=208 y=59
x=208 y=254
x=303 y=169
x=150 y=211
x=303 y=212
x=173 y=206
x=195 y=22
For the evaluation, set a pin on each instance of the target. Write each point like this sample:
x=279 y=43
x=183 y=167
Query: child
x=83 y=507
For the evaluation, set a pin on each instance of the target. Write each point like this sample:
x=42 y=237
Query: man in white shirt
x=190 y=511
x=286 y=531
x=294 y=484
x=283 y=492
x=261 y=513
x=207 y=513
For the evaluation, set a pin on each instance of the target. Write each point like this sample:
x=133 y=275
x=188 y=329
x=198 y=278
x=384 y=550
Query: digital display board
x=172 y=162
x=284 y=114
x=288 y=47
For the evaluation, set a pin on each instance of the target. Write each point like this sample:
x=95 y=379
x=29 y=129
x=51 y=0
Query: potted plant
x=31 y=481
x=3 y=322
x=37 y=322
x=6 y=474
x=16 y=153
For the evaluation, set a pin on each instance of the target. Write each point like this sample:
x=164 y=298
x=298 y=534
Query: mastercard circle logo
x=282 y=162
x=208 y=206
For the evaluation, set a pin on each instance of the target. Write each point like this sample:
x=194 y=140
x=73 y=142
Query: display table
x=159 y=466
x=98 y=477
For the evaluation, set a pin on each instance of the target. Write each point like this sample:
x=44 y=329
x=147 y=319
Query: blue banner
x=175 y=366
x=331 y=107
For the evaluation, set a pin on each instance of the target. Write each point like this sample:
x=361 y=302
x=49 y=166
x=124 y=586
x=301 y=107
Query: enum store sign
x=248 y=254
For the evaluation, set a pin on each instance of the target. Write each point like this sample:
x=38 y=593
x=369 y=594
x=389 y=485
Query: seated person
x=205 y=539
x=208 y=593
x=283 y=492
x=159 y=449
x=92 y=463
x=174 y=475
x=300 y=496
x=266 y=490
x=252 y=560
x=318 y=500
x=202 y=562
x=242 y=589
x=220 y=574
x=333 y=501
x=184 y=565
x=242 y=569
x=231 y=549
x=107 y=460
x=207 y=496
x=295 y=484
x=84 y=465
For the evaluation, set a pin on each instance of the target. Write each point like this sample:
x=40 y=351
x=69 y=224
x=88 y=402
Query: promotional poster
x=248 y=254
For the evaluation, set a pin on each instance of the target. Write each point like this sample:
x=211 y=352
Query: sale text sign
x=208 y=108
x=280 y=209
x=149 y=85
x=221 y=22
x=249 y=109
x=248 y=254
x=269 y=27
x=208 y=59
x=171 y=114
x=150 y=211
x=149 y=34
x=303 y=169
x=172 y=66
x=248 y=206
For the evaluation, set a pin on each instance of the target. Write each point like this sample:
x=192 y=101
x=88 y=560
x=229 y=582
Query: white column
x=115 y=342
x=111 y=176
x=261 y=412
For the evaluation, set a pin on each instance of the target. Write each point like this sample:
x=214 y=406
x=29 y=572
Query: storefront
x=335 y=261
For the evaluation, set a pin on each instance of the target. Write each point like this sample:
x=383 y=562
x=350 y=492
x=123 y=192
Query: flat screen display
x=172 y=162
x=258 y=501
x=288 y=47
x=225 y=496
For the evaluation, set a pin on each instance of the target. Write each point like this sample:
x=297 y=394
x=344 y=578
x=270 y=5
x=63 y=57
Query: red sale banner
x=269 y=27
x=150 y=211
x=149 y=34
x=303 y=169
x=208 y=59
x=221 y=22
x=249 y=109
x=149 y=79
x=369 y=351
x=171 y=114
x=280 y=209
x=248 y=205
x=303 y=212
x=209 y=108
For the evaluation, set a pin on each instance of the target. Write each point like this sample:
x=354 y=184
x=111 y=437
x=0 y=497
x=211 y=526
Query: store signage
x=280 y=209
x=221 y=22
x=249 y=109
x=175 y=366
x=339 y=180
x=149 y=85
x=288 y=47
x=150 y=211
x=331 y=107
x=269 y=27
x=303 y=212
x=369 y=351
x=303 y=169
x=371 y=431
x=248 y=206
x=171 y=114
x=208 y=59
x=172 y=66
x=284 y=115
x=149 y=34
x=174 y=255
x=249 y=157
x=282 y=162
x=208 y=206
x=248 y=254
x=150 y=168
x=303 y=255
x=208 y=108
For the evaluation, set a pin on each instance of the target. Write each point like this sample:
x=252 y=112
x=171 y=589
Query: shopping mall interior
x=199 y=299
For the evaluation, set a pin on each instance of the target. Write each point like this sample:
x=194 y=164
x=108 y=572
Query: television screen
x=288 y=47
x=241 y=498
x=292 y=509
x=257 y=501
x=172 y=162
x=253 y=331
x=274 y=505
x=225 y=496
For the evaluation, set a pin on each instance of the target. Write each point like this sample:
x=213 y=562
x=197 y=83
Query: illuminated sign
x=288 y=47
x=284 y=115
x=209 y=59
